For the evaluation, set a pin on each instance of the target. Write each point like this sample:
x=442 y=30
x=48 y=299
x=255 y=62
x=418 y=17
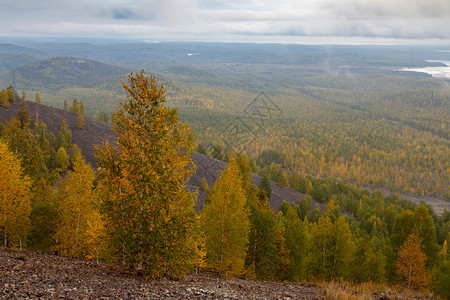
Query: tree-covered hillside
x=60 y=72
x=10 y=61
x=342 y=112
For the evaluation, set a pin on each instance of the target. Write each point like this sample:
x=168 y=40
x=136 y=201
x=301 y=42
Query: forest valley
x=136 y=211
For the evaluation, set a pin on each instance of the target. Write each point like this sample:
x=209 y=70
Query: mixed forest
x=327 y=113
x=136 y=211
x=339 y=124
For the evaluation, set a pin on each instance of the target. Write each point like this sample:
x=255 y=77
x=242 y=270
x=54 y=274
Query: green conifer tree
x=12 y=95
x=23 y=114
x=262 y=248
x=265 y=186
x=295 y=237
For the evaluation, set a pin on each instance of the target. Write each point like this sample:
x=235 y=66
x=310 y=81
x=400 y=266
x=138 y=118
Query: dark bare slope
x=210 y=168
x=96 y=132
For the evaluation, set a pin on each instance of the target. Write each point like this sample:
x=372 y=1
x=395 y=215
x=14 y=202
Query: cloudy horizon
x=232 y=20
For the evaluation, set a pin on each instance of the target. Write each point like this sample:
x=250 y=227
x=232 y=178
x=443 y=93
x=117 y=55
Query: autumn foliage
x=15 y=199
x=148 y=211
x=411 y=270
x=226 y=224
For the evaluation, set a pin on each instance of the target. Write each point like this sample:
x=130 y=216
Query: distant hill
x=97 y=132
x=18 y=50
x=10 y=61
x=178 y=69
x=59 y=72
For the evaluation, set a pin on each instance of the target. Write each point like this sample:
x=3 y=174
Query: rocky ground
x=29 y=275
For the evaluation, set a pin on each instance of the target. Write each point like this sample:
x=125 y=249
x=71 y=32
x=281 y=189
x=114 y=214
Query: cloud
x=213 y=19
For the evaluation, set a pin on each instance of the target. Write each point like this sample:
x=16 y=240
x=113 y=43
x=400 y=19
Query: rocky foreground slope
x=27 y=275
x=30 y=275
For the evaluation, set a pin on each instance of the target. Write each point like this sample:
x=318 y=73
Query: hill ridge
x=58 y=72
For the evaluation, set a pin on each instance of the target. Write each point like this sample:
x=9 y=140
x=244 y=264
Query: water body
x=440 y=72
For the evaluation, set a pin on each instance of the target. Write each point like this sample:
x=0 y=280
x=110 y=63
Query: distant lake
x=442 y=72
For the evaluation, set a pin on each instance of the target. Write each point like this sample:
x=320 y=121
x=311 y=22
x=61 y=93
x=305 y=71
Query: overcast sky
x=221 y=20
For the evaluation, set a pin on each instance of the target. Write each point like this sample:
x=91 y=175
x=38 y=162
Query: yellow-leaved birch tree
x=15 y=195
x=148 y=211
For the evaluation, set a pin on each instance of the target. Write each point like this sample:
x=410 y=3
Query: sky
x=231 y=20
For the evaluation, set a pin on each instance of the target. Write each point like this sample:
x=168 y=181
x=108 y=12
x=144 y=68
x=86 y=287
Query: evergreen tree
x=218 y=153
x=421 y=221
x=64 y=136
x=12 y=95
x=205 y=188
x=367 y=264
x=441 y=274
x=147 y=209
x=262 y=248
x=282 y=250
x=284 y=207
x=74 y=153
x=44 y=215
x=23 y=114
x=304 y=206
x=103 y=117
x=315 y=214
x=295 y=237
x=426 y=229
x=265 y=186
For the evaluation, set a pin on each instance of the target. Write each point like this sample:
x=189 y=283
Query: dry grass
x=368 y=291
x=347 y=291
